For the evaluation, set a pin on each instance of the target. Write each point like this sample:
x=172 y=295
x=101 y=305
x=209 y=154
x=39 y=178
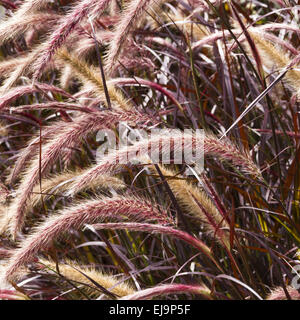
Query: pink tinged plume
x=224 y=150
x=279 y=294
x=65 y=26
x=18 y=92
x=68 y=138
x=88 y=212
x=129 y=18
x=169 y=289
x=4 y=192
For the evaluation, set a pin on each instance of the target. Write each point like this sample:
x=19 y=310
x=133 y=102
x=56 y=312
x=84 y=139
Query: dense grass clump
x=76 y=225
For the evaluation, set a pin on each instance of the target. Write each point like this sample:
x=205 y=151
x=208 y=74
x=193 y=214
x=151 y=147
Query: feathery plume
x=4 y=192
x=167 y=289
x=74 y=272
x=23 y=69
x=66 y=77
x=8 y=65
x=15 y=26
x=185 y=24
x=197 y=203
x=113 y=7
x=88 y=75
x=52 y=105
x=26 y=9
x=17 y=92
x=57 y=184
x=32 y=148
x=224 y=149
x=130 y=17
x=6 y=294
x=86 y=212
x=274 y=58
x=67 y=138
x=279 y=294
x=57 y=128
x=30 y=6
x=65 y=26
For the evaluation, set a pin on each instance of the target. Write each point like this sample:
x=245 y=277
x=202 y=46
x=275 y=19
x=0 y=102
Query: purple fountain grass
x=58 y=183
x=4 y=192
x=211 y=38
x=15 y=26
x=12 y=295
x=3 y=129
x=279 y=294
x=275 y=58
x=66 y=77
x=154 y=228
x=52 y=105
x=30 y=6
x=224 y=149
x=134 y=57
x=86 y=212
x=4 y=132
x=17 y=92
x=168 y=289
x=139 y=82
x=7 y=66
x=267 y=36
x=214 y=37
x=26 y=9
x=278 y=26
x=75 y=272
x=93 y=81
x=32 y=148
x=27 y=66
x=196 y=203
x=24 y=68
x=65 y=26
x=50 y=132
x=130 y=16
x=69 y=137
x=170 y=69
x=282 y=43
